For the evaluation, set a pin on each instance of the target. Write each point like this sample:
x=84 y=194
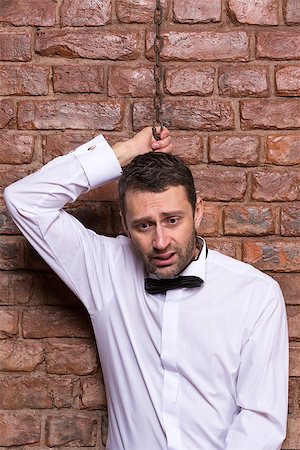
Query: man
x=194 y=368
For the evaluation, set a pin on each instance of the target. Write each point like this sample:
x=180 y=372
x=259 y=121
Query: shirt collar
x=197 y=267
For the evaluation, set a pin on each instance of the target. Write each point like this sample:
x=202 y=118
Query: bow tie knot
x=155 y=286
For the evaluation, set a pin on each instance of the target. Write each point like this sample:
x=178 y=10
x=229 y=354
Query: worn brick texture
x=70 y=69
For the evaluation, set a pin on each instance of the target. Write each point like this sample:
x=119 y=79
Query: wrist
x=124 y=152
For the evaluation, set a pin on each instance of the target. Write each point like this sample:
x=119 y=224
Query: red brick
x=129 y=11
x=290 y=220
x=10 y=176
x=55 y=292
x=283 y=150
x=7 y=225
x=107 y=193
x=81 y=13
x=95 y=216
x=189 y=147
x=5 y=288
x=115 y=45
x=248 y=220
x=32 y=260
x=197 y=11
x=293 y=434
x=20 y=356
x=16 y=148
x=190 y=81
x=7 y=112
x=19 y=289
x=62 y=143
x=59 y=114
x=188 y=114
x=211 y=221
x=15 y=46
x=79 y=358
x=71 y=430
x=214 y=183
x=241 y=81
x=113 y=138
x=278 y=44
x=292 y=11
x=282 y=256
x=293 y=314
x=275 y=185
x=78 y=78
x=293 y=391
x=9 y=323
x=37 y=392
x=202 y=46
x=93 y=393
x=227 y=248
x=54 y=322
x=270 y=114
x=29 y=288
x=23 y=80
x=262 y=12
x=11 y=253
x=234 y=150
x=290 y=285
x=19 y=428
x=127 y=81
x=29 y=13
x=288 y=80
x=104 y=428
x=294 y=359
x=298 y=399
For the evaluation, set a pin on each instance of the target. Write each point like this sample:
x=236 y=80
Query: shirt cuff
x=98 y=161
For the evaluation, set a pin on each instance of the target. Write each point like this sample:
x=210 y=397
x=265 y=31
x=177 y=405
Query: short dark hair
x=156 y=172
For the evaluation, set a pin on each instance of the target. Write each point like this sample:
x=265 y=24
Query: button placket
x=171 y=376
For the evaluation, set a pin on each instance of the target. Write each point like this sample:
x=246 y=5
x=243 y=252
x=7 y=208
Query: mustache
x=157 y=253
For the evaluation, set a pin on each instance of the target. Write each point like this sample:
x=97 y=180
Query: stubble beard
x=184 y=257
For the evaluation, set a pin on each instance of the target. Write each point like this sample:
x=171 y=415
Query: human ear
x=198 y=212
x=124 y=225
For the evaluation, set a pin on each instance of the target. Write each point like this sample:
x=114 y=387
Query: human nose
x=161 y=239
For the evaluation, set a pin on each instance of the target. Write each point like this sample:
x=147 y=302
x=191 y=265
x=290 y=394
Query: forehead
x=145 y=203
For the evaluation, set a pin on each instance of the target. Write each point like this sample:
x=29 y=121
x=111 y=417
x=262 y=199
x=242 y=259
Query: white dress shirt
x=192 y=369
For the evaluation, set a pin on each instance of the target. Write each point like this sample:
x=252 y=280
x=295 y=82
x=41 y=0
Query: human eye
x=143 y=226
x=173 y=221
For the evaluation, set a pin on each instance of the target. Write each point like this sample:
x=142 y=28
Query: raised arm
x=36 y=203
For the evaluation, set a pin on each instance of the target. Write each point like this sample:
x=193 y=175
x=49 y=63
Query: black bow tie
x=154 y=286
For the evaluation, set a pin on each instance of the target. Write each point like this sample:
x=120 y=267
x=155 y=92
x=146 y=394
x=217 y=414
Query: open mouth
x=164 y=260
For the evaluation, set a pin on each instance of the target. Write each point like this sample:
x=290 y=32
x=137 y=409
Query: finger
x=164 y=142
x=167 y=149
x=164 y=133
x=155 y=145
x=160 y=145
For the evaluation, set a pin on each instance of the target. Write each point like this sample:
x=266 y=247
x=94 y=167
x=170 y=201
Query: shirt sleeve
x=36 y=205
x=262 y=384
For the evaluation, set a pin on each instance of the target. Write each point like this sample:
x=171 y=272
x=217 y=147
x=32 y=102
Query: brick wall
x=73 y=68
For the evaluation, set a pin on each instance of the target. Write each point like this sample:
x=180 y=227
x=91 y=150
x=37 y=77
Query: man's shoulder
x=230 y=266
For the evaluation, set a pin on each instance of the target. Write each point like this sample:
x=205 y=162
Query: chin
x=168 y=272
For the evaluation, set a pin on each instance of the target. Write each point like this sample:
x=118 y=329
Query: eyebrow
x=163 y=214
